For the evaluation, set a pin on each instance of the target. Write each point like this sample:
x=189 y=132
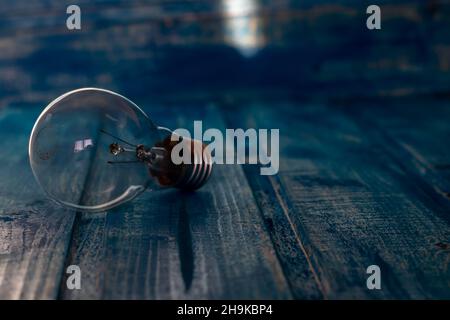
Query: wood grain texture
x=294 y=257
x=205 y=245
x=358 y=186
x=151 y=49
x=353 y=206
x=418 y=137
x=34 y=233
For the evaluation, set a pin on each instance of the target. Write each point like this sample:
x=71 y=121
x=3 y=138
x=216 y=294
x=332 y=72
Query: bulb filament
x=111 y=135
x=153 y=156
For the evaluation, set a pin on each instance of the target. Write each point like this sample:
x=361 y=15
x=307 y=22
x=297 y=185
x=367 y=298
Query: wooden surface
x=364 y=177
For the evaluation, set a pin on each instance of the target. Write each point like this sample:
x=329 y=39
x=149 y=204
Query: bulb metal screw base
x=196 y=174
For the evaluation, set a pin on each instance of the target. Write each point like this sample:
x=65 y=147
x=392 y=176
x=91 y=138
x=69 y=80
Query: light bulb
x=93 y=149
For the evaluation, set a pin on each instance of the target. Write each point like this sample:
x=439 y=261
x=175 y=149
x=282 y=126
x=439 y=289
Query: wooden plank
x=417 y=136
x=34 y=232
x=294 y=255
x=367 y=191
x=168 y=46
x=204 y=245
x=351 y=205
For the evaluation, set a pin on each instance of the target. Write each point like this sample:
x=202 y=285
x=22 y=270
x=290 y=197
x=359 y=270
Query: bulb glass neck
x=191 y=175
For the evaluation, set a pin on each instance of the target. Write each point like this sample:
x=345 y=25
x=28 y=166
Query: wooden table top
x=364 y=155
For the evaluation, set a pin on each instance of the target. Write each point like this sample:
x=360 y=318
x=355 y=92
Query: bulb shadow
x=185 y=245
x=185 y=214
x=169 y=215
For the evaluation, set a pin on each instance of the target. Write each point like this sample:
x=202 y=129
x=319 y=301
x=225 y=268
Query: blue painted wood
x=355 y=188
x=351 y=204
x=418 y=137
x=310 y=48
x=34 y=233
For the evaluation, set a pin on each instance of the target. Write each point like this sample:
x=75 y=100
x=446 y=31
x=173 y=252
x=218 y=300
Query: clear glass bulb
x=93 y=149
